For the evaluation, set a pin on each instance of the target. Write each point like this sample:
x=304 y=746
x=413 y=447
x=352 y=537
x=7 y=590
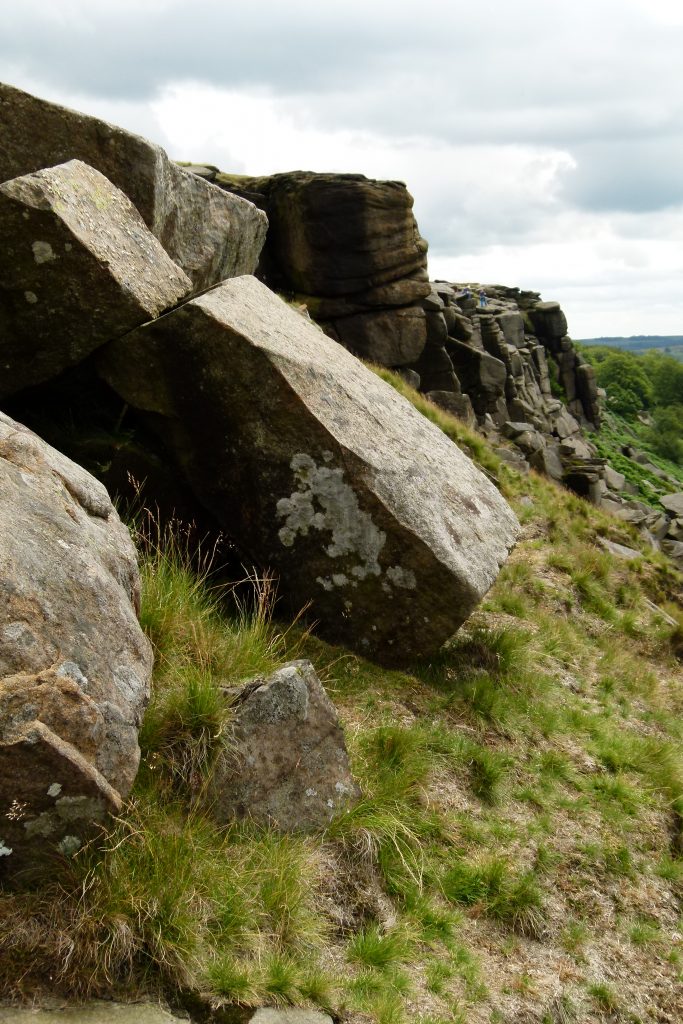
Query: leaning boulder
x=368 y=512
x=75 y=666
x=78 y=267
x=210 y=233
x=288 y=766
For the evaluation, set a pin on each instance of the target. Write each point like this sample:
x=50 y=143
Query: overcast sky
x=542 y=139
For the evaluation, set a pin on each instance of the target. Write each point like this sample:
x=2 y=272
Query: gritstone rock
x=77 y=268
x=210 y=233
x=75 y=666
x=673 y=503
x=367 y=511
x=289 y=767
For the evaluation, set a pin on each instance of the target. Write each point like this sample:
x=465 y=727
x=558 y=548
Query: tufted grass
x=522 y=790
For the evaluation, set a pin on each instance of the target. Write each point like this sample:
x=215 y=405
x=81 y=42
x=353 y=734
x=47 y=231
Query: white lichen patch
x=43 y=252
x=324 y=501
x=69 y=845
x=70 y=670
x=404 y=578
x=5 y=850
x=31 y=298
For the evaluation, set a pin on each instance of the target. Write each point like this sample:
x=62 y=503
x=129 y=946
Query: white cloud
x=541 y=140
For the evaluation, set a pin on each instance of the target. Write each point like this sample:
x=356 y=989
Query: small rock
x=289 y=767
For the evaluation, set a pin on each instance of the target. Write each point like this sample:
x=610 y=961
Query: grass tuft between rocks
x=517 y=850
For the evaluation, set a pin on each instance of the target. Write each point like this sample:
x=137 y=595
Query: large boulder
x=75 y=666
x=369 y=513
x=78 y=267
x=288 y=766
x=211 y=234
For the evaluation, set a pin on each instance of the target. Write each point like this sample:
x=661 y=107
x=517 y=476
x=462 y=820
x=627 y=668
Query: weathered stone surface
x=337 y=234
x=435 y=370
x=481 y=375
x=456 y=404
x=673 y=503
x=209 y=233
x=287 y=766
x=615 y=481
x=549 y=322
x=271 y=1015
x=404 y=292
x=74 y=664
x=547 y=461
x=512 y=326
x=95 y=1012
x=319 y=468
x=390 y=337
x=78 y=267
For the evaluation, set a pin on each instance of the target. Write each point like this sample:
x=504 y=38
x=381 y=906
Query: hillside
x=516 y=852
x=670 y=344
x=340 y=672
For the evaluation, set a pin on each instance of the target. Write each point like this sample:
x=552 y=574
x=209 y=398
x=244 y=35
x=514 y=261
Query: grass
x=521 y=815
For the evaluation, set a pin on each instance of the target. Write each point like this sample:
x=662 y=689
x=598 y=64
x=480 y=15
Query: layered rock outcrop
x=368 y=512
x=348 y=247
x=75 y=666
x=209 y=233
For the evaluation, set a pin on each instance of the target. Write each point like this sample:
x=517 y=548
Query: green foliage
x=628 y=386
x=666 y=435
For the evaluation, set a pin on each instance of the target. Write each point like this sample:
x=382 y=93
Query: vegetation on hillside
x=518 y=850
x=650 y=382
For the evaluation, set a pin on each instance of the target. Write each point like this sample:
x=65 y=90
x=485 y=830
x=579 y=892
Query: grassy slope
x=517 y=855
x=615 y=433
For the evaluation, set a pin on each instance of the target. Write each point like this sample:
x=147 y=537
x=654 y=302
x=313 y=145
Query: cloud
x=540 y=139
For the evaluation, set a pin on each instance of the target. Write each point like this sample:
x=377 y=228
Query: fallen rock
x=318 y=468
x=209 y=233
x=673 y=503
x=75 y=666
x=77 y=268
x=288 y=766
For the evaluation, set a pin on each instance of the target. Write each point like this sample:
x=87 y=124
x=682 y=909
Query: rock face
x=367 y=511
x=209 y=233
x=78 y=267
x=289 y=767
x=74 y=664
x=349 y=248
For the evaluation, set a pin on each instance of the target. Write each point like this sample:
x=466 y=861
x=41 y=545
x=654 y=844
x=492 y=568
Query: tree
x=623 y=377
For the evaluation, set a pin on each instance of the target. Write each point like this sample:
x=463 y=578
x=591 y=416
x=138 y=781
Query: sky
x=542 y=140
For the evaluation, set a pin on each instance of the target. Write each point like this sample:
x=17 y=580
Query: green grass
x=515 y=790
x=511 y=898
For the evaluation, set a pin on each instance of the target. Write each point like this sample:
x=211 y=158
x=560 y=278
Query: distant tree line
x=650 y=382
